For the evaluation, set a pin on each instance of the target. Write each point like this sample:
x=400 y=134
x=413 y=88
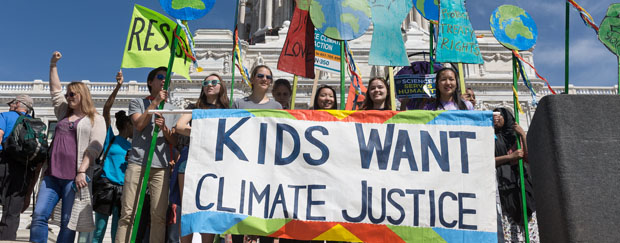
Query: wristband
x=81 y=172
x=52 y=64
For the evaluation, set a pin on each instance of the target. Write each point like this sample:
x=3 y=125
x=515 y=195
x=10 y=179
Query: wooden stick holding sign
x=294 y=92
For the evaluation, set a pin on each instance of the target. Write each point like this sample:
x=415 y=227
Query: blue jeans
x=51 y=191
x=101 y=221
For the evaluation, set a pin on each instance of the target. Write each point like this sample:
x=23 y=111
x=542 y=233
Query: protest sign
x=148 y=42
x=187 y=9
x=609 y=32
x=456 y=41
x=297 y=56
x=340 y=19
x=429 y=9
x=513 y=27
x=387 y=47
x=414 y=86
x=326 y=53
x=371 y=176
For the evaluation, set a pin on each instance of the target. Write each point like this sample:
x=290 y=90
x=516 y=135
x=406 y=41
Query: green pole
x=147 y=168
x=566 y=37
x=342 y=89
x=232 y=67
x=432 y=31
x=521 y=174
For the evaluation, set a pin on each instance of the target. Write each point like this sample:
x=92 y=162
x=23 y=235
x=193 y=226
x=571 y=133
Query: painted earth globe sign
x=340 y=19
x=513 y=27
x=429 y=9
x=609 y=30
x=187 y=9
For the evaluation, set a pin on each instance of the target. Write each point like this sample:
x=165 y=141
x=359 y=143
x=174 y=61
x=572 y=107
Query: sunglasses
x=260 y=75
x=213 y=82
x=70 y=94
x=161 y=76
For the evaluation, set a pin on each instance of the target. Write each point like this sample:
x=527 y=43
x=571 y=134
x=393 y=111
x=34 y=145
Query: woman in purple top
x=447 y=92
x=78 y=140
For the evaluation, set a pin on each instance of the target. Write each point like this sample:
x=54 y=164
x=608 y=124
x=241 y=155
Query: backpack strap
x=108 y=149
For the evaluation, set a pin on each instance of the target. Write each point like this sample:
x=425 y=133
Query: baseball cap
x=23 y=98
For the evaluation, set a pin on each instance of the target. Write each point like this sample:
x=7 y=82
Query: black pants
x=16 y=181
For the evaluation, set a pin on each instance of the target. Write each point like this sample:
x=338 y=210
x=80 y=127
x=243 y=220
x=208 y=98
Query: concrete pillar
x=268 y=13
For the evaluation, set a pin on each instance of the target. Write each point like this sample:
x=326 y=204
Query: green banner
x=148 y=42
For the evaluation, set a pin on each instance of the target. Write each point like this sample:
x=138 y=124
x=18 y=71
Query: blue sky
x=92 y=34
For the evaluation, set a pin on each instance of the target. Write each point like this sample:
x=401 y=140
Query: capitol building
x=263 y=26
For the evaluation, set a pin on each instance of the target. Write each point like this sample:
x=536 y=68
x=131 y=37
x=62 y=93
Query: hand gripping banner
x=357 y=176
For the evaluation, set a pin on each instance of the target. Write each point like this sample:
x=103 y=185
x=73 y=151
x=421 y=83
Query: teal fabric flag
x=457 y=40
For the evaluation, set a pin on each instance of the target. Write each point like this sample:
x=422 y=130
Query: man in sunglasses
x=12 y=174
x=143 y=125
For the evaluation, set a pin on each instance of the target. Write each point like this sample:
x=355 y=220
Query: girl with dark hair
x=260 y=79
x=108 y=188
x=508 y=178
x=447 y=92
x=325 y=99
x=378 y=95
x=281 y=92
x=77 y=142
x=212 y=96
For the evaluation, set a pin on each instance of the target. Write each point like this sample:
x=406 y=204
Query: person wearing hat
x=12 y=175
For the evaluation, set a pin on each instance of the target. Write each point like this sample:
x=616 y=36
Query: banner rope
x=585 y=16
x=244 y=71
x=190 y=45
x=514 y=91
x=527 y=82
x=516 y=53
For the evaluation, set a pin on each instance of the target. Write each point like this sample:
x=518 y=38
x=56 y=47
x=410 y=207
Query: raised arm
x=54 y=79
x=108 y=104
x=183 y=126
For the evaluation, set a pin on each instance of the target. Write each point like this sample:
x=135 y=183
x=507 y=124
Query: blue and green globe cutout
x=340 y=19
x=187 y=9
x=513 y=27
x=429 y=9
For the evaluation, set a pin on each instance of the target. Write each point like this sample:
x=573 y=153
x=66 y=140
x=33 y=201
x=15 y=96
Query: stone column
x=418 y=19
x=268 y=13
x=241 y=21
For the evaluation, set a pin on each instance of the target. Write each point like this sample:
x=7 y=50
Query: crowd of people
x=92 y=169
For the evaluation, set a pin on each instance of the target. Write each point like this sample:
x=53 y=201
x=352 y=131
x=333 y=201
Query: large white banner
x=372 y=176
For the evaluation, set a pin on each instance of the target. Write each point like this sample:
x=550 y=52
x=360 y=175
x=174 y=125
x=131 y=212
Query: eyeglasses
x=70 y=94
x=212 y=82
x=161 y=76
x=260 y=75
x=72 y=125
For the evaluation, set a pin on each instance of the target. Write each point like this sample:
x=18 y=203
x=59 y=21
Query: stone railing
x=583 y=90
x=40 y=87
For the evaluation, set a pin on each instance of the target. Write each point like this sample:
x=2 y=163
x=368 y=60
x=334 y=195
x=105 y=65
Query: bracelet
x=81 y=172
x=52 y=64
